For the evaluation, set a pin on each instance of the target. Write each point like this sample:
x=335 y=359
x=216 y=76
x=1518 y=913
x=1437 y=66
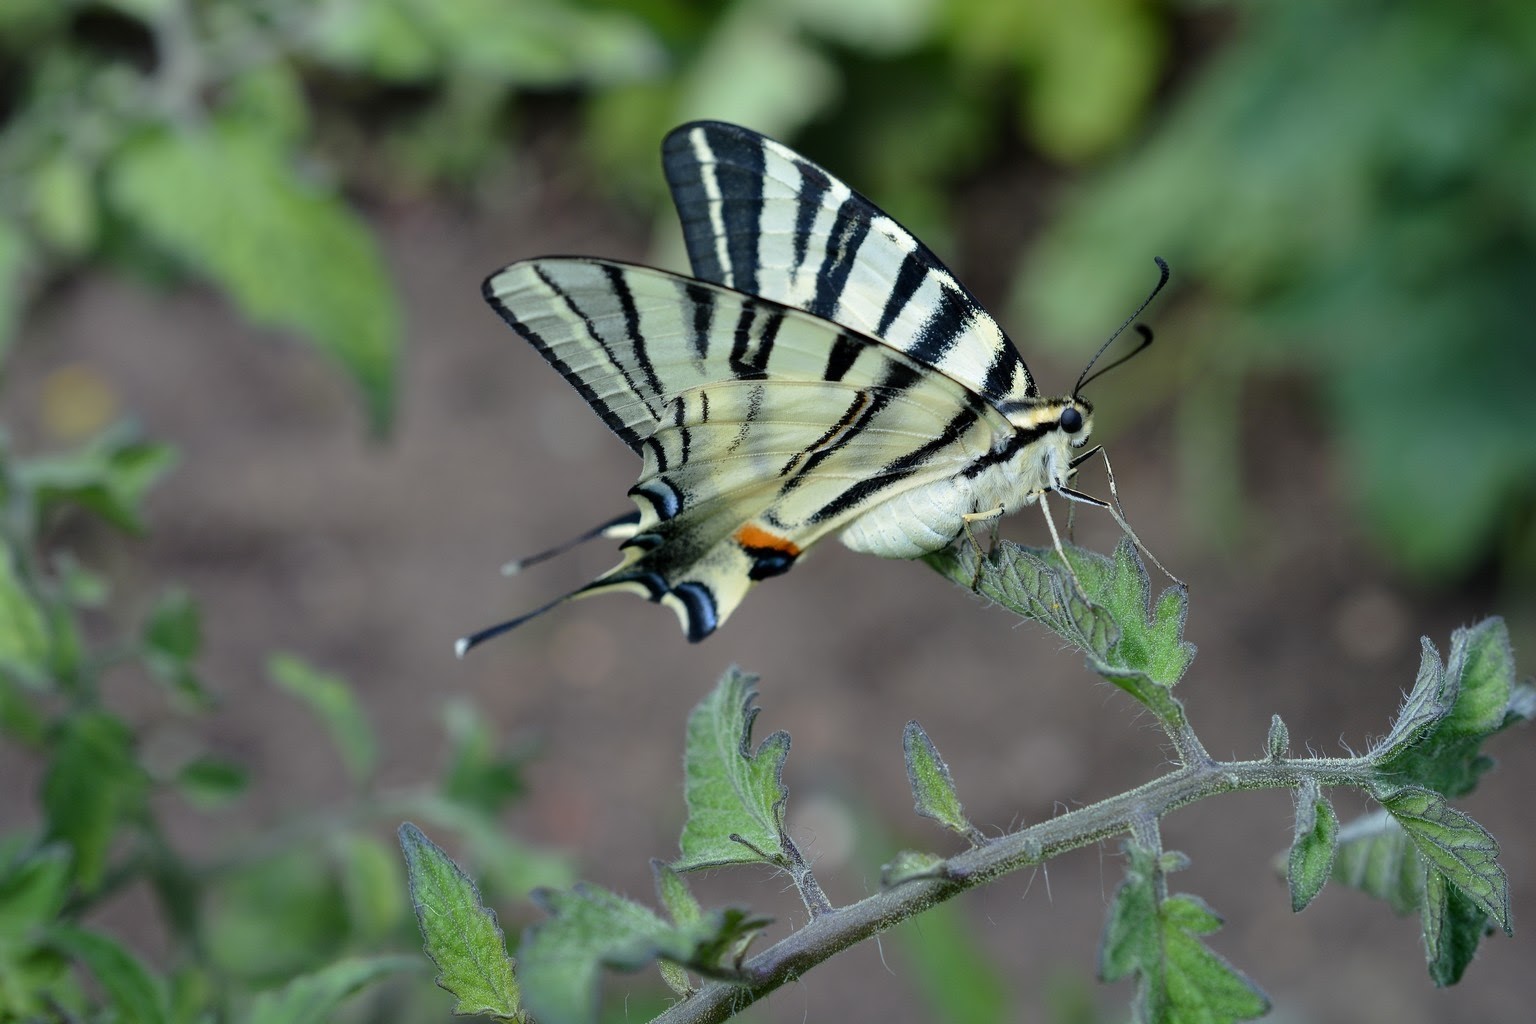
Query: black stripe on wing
x=720 y=178
x=576 y=380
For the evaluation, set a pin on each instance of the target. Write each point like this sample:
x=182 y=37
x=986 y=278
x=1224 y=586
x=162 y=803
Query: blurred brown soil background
x=297 y=533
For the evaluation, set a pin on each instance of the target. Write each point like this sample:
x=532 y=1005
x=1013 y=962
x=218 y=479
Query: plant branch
x=836 y=930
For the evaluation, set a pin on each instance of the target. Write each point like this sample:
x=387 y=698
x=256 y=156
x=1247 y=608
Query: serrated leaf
x=590 y=928
x=1179 y=980
x=108 y=476
x=1453 y=709
x=1313 y=845
x=1376 y=857
x=1132 y=642
x=735 y=797
x=933 y=789
x=210 y=781
x=135 y=993
x=460 y=934
x=332 y=701
x=32 y=892
x=1462 y=850
x=93 y=784
x=289 y=252
x=310 y=998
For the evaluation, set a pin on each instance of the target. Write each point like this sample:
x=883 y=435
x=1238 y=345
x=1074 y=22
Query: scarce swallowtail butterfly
x=822 y=373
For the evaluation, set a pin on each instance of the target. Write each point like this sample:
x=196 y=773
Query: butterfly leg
x=1119 y=517
x=994 y=516
x=1050 y=523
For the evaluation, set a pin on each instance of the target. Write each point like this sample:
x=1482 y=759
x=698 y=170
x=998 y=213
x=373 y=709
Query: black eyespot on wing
x=1071 y=420
x=769 y=562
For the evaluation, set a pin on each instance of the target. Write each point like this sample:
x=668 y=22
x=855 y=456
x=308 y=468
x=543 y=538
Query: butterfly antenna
x=619 y=527
x=1084 y=378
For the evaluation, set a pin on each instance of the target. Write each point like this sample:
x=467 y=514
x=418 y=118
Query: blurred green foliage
x=280 y=925
x=1349 y=188
x=1343 y=187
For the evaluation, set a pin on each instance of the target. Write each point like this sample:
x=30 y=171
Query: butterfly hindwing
x=762 y=428
x=762 y=219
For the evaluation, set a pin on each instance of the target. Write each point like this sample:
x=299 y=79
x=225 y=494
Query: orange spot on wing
x=754 y=538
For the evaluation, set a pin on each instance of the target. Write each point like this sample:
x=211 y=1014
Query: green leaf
x=1453 y=926
x=504 y=865
x=24 y=639
x=310 y=998
x=681 y=905
x=371 y=884
x=1156 y=939
x=1135 y=644
x=735 y=798
x=332 y=701
x=460 y=933
x=14 y=257
x=108 y=476
x=288 y=252
x=933 y=789
x=64 y=202
x=1313 y=846
x=136 y=994
x=1457 y=846
x=1376 y=857
x=480 y=774
x=173 y=637
x=32 y=892
x=93 y=784
x=1438 y=738
x=79 y=586
x=1278 y=742
x=590 y=928
x=209 y=781
x=683 y=909
x=908 y=865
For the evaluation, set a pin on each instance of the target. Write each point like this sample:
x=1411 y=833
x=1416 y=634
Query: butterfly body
x=821 y=374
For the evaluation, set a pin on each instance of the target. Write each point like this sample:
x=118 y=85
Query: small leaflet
x=311 y=998
x=590 y=928
x=333 y=702
x=1314 y=845
x=460 y=933
x=1135 y=643
x=735 y=797
x=1460 y=848
x=1179 y=980
x=933 y=789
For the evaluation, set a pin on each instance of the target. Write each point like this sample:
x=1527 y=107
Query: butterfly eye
x=1071 y=420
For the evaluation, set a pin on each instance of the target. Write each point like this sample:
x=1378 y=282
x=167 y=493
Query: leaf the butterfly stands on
x=821 y=374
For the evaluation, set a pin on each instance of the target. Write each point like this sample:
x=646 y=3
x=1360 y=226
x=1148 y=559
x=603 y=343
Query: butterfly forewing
x=762 y=427
x=762 y=219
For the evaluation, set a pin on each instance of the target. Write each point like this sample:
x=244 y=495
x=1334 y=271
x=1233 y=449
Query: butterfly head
x=1075 y=421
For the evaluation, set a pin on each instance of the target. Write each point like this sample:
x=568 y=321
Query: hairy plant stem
x=835 y=930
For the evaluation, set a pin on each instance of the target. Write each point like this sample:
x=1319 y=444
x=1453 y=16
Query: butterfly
x=821 y=373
